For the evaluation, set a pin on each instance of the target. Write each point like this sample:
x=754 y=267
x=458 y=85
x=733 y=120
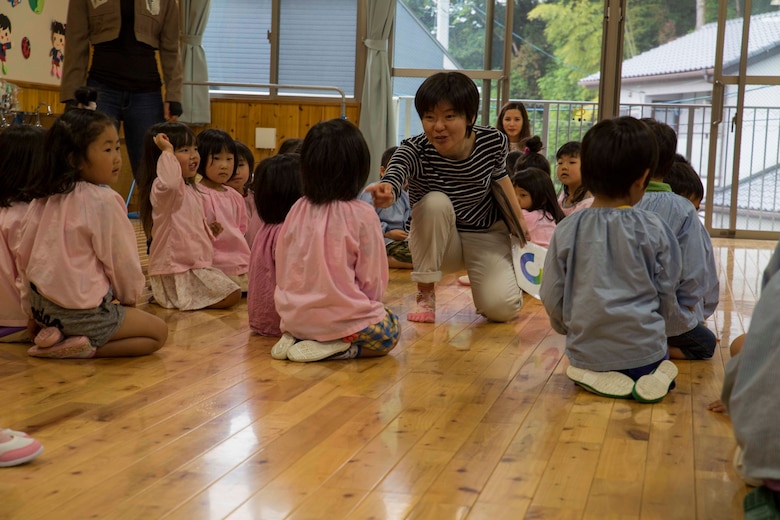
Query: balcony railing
x=758 y=187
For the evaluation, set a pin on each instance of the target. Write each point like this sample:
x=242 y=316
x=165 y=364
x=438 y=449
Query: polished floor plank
x=464 y=419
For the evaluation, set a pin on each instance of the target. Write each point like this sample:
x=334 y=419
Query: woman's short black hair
x=335 y=162
x=21 y=157
x=277 y=186
x=615 y=153
x=452 y=87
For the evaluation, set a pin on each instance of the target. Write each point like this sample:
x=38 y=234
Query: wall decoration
x=37 y=6
x=32 y=41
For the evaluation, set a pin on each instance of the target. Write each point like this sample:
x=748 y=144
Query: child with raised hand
x=180 y=257
x=277 y=188
x=531 y=157
x=574 y=195
x=224 y=207
x=395 y=220
x=698 y=289
x=611 y=271
x=331 y=268
x=536 y=194
x=79 y=251
x=513 y=121
x=21 y=155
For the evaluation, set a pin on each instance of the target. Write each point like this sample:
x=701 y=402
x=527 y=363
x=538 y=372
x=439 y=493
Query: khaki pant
x=439 y=248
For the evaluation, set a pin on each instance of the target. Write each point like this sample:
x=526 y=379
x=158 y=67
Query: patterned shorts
x=399 y=250
x=380 y=336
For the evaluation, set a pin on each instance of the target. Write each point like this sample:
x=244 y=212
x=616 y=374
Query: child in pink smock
x=241 y=181
x=21 y=154
x=536 y=194
x=277 y=188
x=79 y=251
x=181 y=253
x=224 y=207
x=574 y=196
x=331 y=264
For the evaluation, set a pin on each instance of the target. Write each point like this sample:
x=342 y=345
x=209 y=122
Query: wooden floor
x=464 y=419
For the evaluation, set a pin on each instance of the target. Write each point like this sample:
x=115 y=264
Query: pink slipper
x=48 y=337
x=74 y=347
x=18 y=451
x=464 y=280
x=426 y=308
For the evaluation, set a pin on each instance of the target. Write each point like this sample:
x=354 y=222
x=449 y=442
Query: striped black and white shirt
x=466 y=182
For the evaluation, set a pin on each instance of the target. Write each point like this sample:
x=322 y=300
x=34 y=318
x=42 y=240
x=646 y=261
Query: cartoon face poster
x=57 y=47
x=32 y=41
x=5 y=40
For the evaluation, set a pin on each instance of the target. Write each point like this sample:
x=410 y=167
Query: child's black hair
x=451 y=87
x=291 y=145
x=65 y=148
x=243 y=152
x=615 y=154
x=540 y=187
x=684 y=180
x=58 y=28
x=21 y=157
x=666 y=139
x=277 y=186
x=180 y=135
x=531 y=158
x=5 y=22
x=525 y=132
x=213 y=141
x=335 y=162
x=572 y=149
x=387 y=155
x=511 y=160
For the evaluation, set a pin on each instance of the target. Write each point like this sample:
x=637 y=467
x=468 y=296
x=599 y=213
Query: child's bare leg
x=140 y=334
x=230 y=300
x=425 y=310
x=397 y=264
x=676 y=353
x=735 y=348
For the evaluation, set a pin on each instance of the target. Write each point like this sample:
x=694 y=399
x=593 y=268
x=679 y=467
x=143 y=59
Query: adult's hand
x=382 y=194
x=167 y=113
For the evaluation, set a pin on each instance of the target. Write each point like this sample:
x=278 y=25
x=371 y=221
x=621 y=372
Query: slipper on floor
x=310 y=350
x=607 y=384
x=464 y=280
x=73 y=347
x=48 y=337
x=13 y=433
x=654 y=387
x=280 y=348
x=18 y=451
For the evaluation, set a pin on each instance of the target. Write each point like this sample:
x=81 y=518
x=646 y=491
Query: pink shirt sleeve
x=231 y=251
x=540 y=227
x=14 y=302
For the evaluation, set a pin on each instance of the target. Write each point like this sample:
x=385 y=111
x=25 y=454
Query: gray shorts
x=99 y=324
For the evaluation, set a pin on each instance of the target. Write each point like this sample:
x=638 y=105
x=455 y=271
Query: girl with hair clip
x=513 y=121
x=574 y=195
x=277 y=187
x=531 y=157
x=331 y=266
x=451 y=169
x=79 y=250
x=21 y=156
x=224 y=207
x=180 y=256
x=536 y=194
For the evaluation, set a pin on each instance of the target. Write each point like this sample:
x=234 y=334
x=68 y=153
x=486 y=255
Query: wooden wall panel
x=237 y=117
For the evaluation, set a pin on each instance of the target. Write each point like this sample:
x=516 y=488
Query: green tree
x=573 y=30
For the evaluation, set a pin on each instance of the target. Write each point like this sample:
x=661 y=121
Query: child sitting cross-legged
x=611 y=271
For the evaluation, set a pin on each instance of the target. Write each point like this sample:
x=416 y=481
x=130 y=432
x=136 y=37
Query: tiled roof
x=696 y=50
x=760 y=192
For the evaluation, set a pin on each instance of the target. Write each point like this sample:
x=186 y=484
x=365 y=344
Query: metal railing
x=758 y=184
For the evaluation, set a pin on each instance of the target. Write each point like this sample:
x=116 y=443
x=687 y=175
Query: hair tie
x=527 y=150
x=91 y=106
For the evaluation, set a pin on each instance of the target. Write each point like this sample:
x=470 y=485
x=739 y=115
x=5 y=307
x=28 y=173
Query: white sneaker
x=310 y=350
x=279 y=350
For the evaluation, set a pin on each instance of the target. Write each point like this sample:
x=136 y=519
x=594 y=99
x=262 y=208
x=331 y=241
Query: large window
x=316 y=44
